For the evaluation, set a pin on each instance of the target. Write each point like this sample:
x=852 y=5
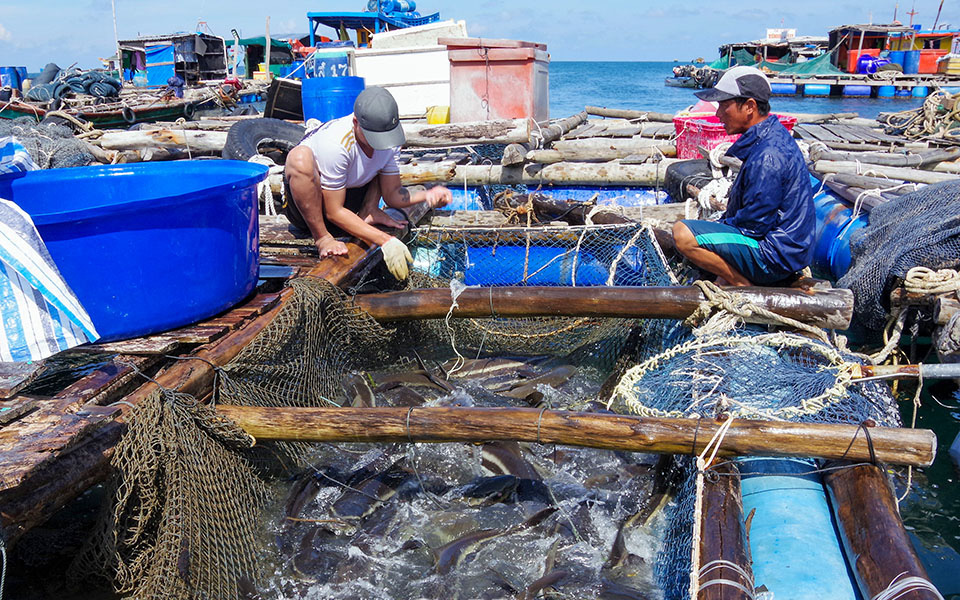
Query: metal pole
x=116 y=42
x=268 y=43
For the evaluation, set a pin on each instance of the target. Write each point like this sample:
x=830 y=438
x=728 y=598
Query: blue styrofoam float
x=148 y=247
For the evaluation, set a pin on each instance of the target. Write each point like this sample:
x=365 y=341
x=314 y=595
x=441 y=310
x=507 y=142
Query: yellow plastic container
x=261 y=76
x=438 y=115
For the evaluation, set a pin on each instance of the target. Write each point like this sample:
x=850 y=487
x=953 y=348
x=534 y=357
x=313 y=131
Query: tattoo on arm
x=404 y=195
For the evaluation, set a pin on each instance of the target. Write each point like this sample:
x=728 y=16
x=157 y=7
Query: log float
x=567 y=173
x=503 y=131
x=514 y=154
x=724 y=551
x=876 y=543
x=618 y=113
x=892 y=445
x=901 y=173
x=830 y=309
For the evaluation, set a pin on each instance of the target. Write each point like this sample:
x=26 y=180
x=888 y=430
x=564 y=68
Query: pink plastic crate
x=707 y=131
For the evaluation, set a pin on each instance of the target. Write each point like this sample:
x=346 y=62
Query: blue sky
x=35 y=32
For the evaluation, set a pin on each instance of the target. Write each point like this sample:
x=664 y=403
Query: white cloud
x=5 y=35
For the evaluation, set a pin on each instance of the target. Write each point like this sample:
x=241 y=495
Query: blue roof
x=368 y=20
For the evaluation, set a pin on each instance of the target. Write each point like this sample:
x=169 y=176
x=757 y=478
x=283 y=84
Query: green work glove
x=397 y=257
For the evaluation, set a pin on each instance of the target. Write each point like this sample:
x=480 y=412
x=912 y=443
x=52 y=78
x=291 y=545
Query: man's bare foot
x=330 y=246
x=378 y=217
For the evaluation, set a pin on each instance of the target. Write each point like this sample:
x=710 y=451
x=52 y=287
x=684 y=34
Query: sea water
x=639 y=86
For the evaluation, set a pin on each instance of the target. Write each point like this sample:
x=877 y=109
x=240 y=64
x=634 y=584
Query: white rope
x=922 y=280
x=899 y=588
x=456 y=288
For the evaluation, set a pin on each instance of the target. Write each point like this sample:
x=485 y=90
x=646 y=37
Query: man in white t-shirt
x=339 y=172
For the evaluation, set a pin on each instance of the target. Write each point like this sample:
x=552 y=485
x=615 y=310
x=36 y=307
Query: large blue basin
x=148 y=247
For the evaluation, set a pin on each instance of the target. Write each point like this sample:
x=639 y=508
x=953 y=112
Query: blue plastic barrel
x=816 y=89
x=903 y=93
x=148 y=247
x=795 y=550
x=886 y=91
x=856 y=90
x=896 y=57
x=920 y=91
x=911 y=61
x=327 y=98
x=831 y=239
x=783 y=89
x=9 y=77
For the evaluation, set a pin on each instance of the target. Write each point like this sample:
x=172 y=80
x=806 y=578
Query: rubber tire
x=246 y=137
x=189 y=110
x=679 y=174
x=128 y=115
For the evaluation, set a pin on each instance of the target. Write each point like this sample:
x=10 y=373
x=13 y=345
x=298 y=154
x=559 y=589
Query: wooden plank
x=822 y=134
x=805 y=135
x=14 y=409
x=156 y=344
x=844 y=132
x=199 y=334
x=14 y=376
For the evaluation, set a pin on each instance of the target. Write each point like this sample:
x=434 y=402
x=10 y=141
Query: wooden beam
x=616 y=113
x=874 y=539
x=505 y=131
x=831 y=309
x=591 y=430
x=723 y=539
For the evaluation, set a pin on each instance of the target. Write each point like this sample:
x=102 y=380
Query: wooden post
x=590 y=430
x=831 y=309
x=873 y=536
x=723 y=538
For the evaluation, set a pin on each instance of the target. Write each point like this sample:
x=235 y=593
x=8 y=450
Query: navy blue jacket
x=772 y=199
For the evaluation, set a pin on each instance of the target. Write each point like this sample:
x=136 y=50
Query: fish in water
x=358 y=391
x=553 y=378
x=367 y=496
x=480 y=368
x=506 y=458
x=453 y=553
x=549 y=580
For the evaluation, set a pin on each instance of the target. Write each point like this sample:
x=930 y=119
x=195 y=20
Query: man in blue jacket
x=766 y=233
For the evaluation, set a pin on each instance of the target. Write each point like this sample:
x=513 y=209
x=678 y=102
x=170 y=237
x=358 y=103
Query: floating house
x=152 y=60
x=780 y=45
x=914 y=48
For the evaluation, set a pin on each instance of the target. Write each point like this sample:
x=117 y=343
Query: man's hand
x=397 y=257
x=438 y=196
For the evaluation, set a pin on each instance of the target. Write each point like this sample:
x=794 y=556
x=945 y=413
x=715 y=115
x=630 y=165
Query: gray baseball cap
x=379 y=118
x=738 y=82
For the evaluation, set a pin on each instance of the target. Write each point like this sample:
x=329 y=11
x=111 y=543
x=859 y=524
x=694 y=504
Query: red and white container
x=707 y=131
x=497 y=79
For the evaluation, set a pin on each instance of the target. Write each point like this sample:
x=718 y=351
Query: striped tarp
x=39 y=313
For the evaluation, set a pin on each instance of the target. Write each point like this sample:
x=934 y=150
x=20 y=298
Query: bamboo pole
x=610 y=173
x=616 y=113
x=590 y=430
x=723 y=539
x=903 y=174
x=876 y=543
x=503 y=131
x=831 y=309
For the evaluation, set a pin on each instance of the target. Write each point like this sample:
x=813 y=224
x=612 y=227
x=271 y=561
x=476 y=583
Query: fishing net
x=50 y=145
x=919 y=229
x=571 y=256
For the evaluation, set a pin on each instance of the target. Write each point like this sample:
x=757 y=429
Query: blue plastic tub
x=327 y=98
x=816 y=89
x=793 y=542
x=148 y=247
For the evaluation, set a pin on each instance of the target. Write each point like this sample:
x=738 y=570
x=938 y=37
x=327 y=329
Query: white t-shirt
x=341 y=162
